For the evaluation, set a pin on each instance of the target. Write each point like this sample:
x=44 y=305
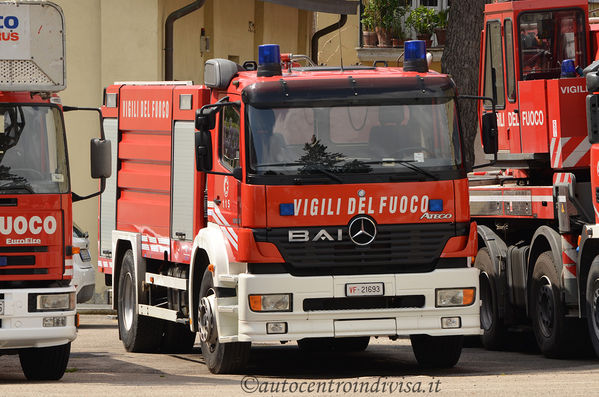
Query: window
x=429 y=3
x=509 y=60
x=549 y=37
x=230 y=126
x=494 y=64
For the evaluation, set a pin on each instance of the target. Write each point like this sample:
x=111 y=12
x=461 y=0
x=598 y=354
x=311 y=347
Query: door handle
x=217 y=200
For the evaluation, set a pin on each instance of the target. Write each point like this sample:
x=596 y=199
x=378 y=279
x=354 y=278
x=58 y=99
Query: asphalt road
x=99 y=366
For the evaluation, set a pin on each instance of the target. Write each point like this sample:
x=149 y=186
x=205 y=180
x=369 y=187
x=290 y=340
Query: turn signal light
x=455 y=297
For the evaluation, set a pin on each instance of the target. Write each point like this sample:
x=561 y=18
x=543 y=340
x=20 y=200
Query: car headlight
x=270 y=303
x=84 y=254
x=455 y=297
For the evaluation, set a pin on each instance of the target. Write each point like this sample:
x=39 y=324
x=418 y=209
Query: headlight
x=54 y=302
x=85 y=256
x=455 y=297
x=270 y=303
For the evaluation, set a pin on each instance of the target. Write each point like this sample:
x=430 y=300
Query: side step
x=166 y=281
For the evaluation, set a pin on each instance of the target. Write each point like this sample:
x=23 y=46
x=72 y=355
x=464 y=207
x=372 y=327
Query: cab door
x=223 y=188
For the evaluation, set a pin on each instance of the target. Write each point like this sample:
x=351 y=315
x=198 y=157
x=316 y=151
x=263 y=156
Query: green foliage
x=441 y=19
x=399 y=21
x=368 y=17
x=423 y=20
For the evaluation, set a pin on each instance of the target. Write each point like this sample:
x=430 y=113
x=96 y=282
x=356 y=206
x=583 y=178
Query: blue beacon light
x=269 y=60
x=568 y=68
x=415 y=56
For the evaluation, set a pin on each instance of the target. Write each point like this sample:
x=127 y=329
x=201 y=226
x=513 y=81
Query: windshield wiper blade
x=406 y=163
x=321 y=169
x=13 y=186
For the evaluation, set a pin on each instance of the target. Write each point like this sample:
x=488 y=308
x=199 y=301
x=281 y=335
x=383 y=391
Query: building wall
x=116 y=40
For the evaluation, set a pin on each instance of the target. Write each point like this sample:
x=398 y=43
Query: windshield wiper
x=406 y=163
x=12 y=185
x=321 y=169
x=306 y=168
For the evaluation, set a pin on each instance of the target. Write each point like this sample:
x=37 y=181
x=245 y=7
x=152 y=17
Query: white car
x=84 y=275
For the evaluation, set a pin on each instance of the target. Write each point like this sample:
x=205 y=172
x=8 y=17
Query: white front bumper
x=363 y=322
x=22 y=329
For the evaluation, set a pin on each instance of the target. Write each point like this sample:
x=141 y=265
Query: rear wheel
x=547 y=307
x=592 y=302
x=138 y=333
x=45 y=363
x=437 y=351
x=221 y=358
x=494 y=334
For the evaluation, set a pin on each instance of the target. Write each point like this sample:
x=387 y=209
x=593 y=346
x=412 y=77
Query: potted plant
x=423 y=20
x=368 y=24
x=441 y=26
x=384 y=16
x=398 y=30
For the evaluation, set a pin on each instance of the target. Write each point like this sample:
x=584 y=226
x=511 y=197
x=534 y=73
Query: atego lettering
x=22 y=225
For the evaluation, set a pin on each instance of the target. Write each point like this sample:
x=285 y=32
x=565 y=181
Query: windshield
x=401 y=138
x=32 y=150
x=549 y=37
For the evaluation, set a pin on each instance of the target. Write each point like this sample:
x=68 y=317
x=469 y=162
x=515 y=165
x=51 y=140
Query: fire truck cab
x=322 y=205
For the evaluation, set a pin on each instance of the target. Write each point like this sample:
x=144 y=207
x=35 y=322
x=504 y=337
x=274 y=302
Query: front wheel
x=494 y=334
x=437 y=351
x=221 y=358
x=138 y=333
x=592 y=303
x=45 y=363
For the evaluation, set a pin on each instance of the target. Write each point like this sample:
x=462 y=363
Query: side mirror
x=205 y=120
x=593 y=117
x=100 y=153
x=203 y=145
x=490 y=136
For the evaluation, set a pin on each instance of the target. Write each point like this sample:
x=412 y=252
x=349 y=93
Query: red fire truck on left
x=37 y=305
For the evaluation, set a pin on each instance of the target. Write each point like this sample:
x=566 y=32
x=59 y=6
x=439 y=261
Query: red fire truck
x=537 y=213
x=37 y=305
x=322 y=205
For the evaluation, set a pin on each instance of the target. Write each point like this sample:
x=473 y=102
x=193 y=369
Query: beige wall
x=328 y=46
x=122 y=40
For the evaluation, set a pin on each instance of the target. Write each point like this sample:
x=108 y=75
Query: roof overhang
x=344 y=7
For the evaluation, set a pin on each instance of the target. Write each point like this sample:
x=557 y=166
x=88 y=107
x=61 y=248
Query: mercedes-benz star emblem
x=362 y=230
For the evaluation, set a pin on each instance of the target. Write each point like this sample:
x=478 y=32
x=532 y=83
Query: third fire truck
x=538 y=212
x=322 y=205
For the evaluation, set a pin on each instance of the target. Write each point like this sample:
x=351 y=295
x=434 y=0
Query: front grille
x=24 y=272
x=367 y=302
x=407 y=248
x=35 y=248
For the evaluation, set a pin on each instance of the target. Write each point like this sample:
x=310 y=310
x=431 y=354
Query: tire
x=341 y=345
x=437 y=351
x=494 y=335
x=592 y=303
x=220 y=358
x=139 y=334
x=177 y=338
x=548 y=309
x=45 y=363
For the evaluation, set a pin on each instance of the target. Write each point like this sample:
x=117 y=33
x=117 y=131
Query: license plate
x=1 y=307
x=364 y=289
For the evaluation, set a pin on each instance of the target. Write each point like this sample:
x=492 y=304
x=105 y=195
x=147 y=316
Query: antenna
x=341 y=47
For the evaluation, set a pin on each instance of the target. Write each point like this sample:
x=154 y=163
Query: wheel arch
x=545 y=239
x=199 y=263
x=119 y=252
